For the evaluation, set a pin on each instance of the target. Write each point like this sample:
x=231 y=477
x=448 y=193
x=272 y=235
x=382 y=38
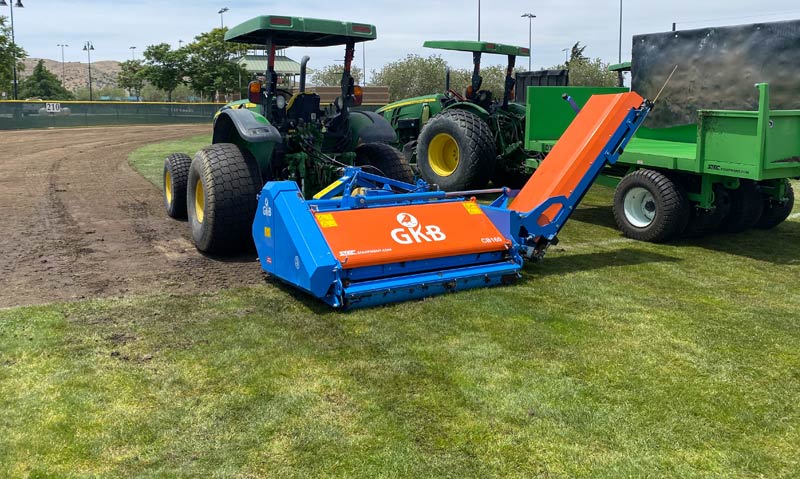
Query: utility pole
x=133 y=53
x=88 y=47
x=63 y=65
x=13 y=42
x=530 y=17
x=221 y=16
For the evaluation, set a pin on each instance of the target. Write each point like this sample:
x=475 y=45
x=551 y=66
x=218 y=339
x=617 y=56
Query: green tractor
x=461 y=141
x=278 y=135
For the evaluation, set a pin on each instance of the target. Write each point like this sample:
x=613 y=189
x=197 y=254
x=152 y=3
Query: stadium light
x=88 y=47
x=221 y=16
x=530 y=18
x=19 y=4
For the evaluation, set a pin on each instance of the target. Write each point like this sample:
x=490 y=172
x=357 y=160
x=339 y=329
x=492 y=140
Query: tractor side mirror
x=254 y=92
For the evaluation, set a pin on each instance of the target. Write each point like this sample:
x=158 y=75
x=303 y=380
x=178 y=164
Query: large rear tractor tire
x=747 y=205
x=384 y=160
x=174 y=177
x=704 y=222
x=776 y=212
x=456 y=151
x=649 y=206
x=222 y=188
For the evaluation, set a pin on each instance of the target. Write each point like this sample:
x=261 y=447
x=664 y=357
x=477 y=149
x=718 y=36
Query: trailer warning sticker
x=472 y=208
x=326 y=220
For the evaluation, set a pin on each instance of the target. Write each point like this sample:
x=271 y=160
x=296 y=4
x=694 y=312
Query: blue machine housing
x=291 y=245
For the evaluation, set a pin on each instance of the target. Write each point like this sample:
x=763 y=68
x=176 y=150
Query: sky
x=114 y=26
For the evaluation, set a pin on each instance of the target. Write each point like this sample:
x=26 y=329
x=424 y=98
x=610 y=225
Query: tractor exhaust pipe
x=303 y=64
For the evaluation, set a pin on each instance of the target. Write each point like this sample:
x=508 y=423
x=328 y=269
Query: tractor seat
x=302 y=106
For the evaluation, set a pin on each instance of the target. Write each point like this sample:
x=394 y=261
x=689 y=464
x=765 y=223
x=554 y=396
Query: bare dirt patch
x=77 y=222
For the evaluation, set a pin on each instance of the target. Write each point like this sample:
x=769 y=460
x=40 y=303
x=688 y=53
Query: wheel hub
x=199 y=201
x=640 y=207
x=443 y=154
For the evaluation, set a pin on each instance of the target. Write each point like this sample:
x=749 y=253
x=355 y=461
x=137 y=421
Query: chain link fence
x=17 y=115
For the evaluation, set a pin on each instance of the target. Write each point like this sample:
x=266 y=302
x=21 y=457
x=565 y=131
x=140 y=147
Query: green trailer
x=730 y=171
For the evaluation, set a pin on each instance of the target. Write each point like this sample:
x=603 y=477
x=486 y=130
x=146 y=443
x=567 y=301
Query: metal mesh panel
x=16 y=115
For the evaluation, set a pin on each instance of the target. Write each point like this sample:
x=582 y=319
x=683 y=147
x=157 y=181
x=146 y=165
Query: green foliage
x=211 y=64
x=8 y=54
x=412 y=76
x=417 y=76
x=43 y=84
x=331 y=75
x=164 y=67
x=584 y=71
x=113 y=93
x=131 y=77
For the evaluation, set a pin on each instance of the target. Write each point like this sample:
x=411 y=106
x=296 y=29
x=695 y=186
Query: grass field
x=610 y=359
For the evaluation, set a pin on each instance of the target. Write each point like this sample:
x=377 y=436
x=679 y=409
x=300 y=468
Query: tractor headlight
x=280 y=102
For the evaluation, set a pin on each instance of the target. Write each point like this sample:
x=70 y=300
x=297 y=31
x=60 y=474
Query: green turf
x=149 y=160
x=610 y=359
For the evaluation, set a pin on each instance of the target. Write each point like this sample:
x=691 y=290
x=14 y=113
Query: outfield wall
x=16 y=115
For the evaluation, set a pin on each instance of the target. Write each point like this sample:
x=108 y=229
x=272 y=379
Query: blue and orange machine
x=368 y=240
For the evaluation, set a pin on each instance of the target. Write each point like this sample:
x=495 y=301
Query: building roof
x=258 y=64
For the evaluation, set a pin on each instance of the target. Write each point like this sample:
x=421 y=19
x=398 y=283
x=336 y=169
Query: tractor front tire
x=384 y=160
x=649 y=206
x=776 y=212
x=174 y=178
x=456 y=150
x=223 y=184
x=747 y=206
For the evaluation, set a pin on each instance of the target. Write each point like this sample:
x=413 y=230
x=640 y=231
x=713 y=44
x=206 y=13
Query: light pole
x=566 y=56
x=180 y=44
x=221 y=16
x=88 y=47
x=13 y=42
x=530 y=18
x=620 y=31
x=63 y=65
x=364 y=63
x=133 y=53
x=479 y=20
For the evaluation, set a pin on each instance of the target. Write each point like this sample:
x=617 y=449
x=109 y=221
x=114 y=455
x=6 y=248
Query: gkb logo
x=411 y=232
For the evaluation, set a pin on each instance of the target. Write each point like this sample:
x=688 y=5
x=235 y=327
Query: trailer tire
x=386 y=159
x=776 y=212
x=747 y=205
x=456 y=150
x=703 y=222
x=649 y=206
x=221 y=199
x=174 y=178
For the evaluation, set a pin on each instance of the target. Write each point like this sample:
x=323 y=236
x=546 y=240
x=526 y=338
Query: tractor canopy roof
x=481 y=47
x=300 y=32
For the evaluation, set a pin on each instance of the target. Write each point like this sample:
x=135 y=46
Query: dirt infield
x=77 y=222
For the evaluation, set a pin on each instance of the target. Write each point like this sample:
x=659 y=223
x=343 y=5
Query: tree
x=131 y=77
x=8 y=53
x=105 y=93
x=412 y=76
x=592 y=73
x=331 y=75
x=164 y=67
x=586 y=72
x=211 y=65
x=43 y=84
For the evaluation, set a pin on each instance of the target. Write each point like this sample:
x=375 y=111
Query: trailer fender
x=370 y=127
x=470 y=107
x=247 y=125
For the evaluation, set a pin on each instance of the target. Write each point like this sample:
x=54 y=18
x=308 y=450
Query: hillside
x=76 y=74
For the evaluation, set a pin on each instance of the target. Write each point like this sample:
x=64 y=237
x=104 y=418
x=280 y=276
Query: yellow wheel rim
x=443 y=154
x=199 y=201
x=168 y=186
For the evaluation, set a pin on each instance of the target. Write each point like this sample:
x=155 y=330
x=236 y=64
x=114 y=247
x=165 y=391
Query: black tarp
x=717 y=69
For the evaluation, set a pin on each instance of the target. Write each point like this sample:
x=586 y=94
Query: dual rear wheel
x=651 y=206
